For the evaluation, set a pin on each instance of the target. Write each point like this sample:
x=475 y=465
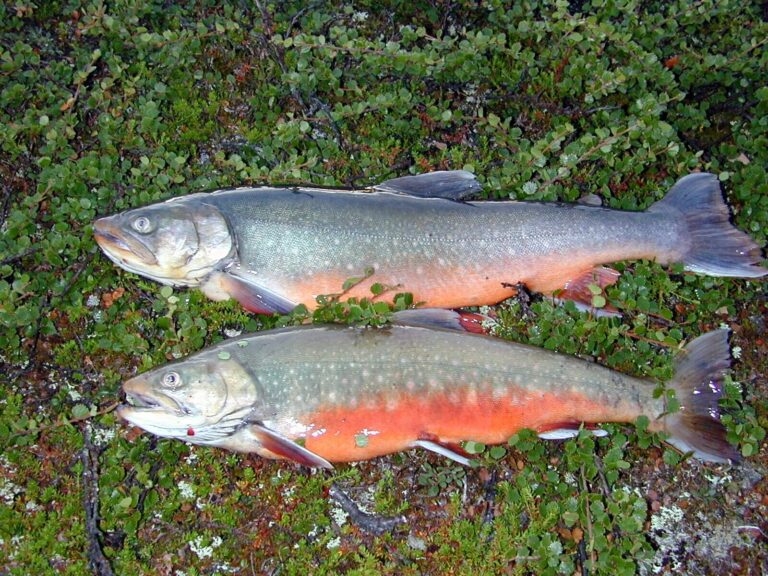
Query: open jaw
x=166 y=403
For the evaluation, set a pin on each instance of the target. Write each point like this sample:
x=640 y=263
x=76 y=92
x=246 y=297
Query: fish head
x=178 y=242
x=202 y=400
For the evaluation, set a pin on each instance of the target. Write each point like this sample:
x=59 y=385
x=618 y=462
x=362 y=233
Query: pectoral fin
x=440 y=318
x=450 y=185
x=253 y=297
x=282 y=447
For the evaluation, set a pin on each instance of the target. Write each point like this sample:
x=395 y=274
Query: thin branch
x=371 y=523
x=90 y=455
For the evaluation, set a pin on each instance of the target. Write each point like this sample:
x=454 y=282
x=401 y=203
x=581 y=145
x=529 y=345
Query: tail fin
x=717 y=248
x=696 y=427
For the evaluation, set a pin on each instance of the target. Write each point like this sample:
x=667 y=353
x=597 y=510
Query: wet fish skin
x=273 y=248
x=351 y=394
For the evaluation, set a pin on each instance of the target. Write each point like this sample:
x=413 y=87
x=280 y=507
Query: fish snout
x=115 y=242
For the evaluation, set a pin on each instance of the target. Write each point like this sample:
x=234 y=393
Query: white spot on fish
x=472 y=395
x=419 y=270
x=366 y=432
x=288 y=426
x=411 y=385
x=318 y=433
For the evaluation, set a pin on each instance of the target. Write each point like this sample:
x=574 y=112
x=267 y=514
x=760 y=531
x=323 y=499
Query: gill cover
x=202 y=399
x=176 y=242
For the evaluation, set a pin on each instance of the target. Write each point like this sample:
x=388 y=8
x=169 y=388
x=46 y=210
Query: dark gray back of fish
x=293 y=233
x=299 y=369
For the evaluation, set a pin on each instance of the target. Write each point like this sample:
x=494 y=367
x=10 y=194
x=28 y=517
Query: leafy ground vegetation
x=106 y=106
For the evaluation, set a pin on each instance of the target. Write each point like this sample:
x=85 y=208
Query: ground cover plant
x=106 y=106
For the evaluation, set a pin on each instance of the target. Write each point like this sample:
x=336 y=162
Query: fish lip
x=117 y=245
x=145 y=403
x=137 y=400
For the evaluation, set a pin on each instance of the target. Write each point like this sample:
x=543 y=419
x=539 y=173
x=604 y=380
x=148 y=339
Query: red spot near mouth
x=190 y=432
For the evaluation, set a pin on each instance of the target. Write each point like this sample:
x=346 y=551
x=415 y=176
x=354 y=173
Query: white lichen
x=8 y=491
x=665 y=527
x=186 y=490
x=202 y=552
x=102 y=436
x=339 y=516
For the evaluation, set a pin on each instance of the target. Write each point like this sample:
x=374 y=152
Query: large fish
x=328 y=393
x=273 y=248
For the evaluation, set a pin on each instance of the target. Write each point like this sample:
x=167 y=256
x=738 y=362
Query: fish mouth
x=140 y=402
x=123 y=249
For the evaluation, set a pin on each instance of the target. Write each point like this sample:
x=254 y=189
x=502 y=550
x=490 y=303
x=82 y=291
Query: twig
x=632 y=334
x=106 y=410
x=590 y=531
x=490 y=502
x=582 y=550
x=99 y=563
x=601 y=474
x=20 y=256
x=371 y=523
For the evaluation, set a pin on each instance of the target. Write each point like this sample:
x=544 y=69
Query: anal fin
x=579 y=292
x=285 y=448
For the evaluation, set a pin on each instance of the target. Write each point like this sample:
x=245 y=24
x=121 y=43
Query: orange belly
x=446 y=287
x=383 y=426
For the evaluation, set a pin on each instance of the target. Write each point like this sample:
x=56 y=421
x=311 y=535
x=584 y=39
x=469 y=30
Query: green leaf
x=80 y=411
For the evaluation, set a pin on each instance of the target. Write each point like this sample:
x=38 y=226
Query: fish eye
x=172 y=380
x=142 y=225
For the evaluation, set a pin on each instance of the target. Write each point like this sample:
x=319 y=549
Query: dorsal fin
x=450 y=185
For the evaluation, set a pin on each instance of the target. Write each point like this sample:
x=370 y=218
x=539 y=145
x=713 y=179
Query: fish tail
x=717 y=248
x=698 y=385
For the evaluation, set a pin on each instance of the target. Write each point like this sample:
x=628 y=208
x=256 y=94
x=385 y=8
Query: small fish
x=327 y=393
x=274 y=248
